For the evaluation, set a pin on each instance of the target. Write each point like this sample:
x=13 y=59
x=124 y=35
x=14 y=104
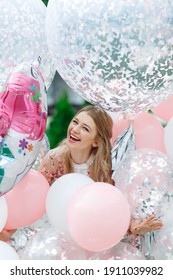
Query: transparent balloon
x=146 y=179
x=21 y=236
x=122 y=251
x=115 y=54
x=22 y=37
x=163 y=247
x=48 y=244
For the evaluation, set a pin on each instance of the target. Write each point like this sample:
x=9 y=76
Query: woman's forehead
x=84 y=117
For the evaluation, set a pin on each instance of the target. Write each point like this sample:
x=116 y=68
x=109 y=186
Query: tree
x=63 y=113
x=45 y=2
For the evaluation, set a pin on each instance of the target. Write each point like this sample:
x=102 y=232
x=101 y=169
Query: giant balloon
x=115 y=54
x=22 y=37
x=23 y=115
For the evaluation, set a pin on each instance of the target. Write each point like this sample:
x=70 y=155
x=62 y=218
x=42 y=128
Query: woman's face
x=82 y=132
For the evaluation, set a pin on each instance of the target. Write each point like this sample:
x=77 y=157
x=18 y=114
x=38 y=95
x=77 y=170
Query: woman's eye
x=86 y=129
x=75 y=122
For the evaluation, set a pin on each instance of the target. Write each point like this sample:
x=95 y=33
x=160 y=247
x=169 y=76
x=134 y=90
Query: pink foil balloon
x=148 y=131
x=23 y=115
x=164 y=110
x=98 y=216
x=27 y=201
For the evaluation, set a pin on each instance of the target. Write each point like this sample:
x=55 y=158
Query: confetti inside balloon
x=115 y=54
x=48 y=244
x=22 y=37
x=122 y=251
x=146 y=179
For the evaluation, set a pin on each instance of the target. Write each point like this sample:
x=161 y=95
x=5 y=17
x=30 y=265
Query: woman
x=87 y=150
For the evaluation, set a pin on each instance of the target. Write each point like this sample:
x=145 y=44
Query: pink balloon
x=27 y=200
x=164 y=110
x=148 y=131
x=98 y=216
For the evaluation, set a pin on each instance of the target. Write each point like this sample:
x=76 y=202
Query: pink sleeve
x=52 y=165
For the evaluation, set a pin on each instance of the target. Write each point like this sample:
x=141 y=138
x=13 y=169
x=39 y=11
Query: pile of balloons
x=124 y=65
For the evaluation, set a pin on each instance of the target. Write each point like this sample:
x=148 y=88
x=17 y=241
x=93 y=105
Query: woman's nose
x=76 y=128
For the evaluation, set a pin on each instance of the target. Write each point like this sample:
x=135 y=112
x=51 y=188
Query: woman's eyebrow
x=83 y=123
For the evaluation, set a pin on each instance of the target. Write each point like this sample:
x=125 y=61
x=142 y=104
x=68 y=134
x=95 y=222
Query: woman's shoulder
x=52 y=165
x=57 y=153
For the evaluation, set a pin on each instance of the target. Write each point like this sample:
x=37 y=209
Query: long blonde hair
x=101 y=168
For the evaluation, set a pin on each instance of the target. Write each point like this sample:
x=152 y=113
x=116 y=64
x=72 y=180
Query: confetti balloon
x=23 y=102
x=163 y=247
x=146 y=179
x=22 y=37
x=122 y=251
x=115 y=54
x=48 y=244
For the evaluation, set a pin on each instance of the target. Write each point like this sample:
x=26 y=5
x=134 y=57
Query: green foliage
x=45 y=2
x=64 y=112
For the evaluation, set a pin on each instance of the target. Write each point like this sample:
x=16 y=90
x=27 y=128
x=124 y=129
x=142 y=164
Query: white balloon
x=7 y=252
x=3 y=212
x=168 y=136
x=60 y=194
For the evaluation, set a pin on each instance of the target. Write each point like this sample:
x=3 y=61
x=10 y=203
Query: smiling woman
x=86 y=150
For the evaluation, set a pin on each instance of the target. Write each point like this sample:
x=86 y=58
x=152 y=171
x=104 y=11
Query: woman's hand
x=5 y=235
x=147 y=225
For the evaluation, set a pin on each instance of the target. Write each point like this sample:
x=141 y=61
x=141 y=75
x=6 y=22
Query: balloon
x=168 y=137
x=122 y=251
x=148 y=131
x=163 y=247
x=123 y=63
x=24 y=104
x=22 y=236
x=60 y=194
x=3 y=212
x=22 y=37
x=26 y=202
x=7 y=252
x=164 y=109
x=146 y=180
x=49 y=244
x=98 y=216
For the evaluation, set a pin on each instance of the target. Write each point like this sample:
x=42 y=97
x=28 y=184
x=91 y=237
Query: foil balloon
x=22 y=37
x=23 y=102
x=115 y=54
x=145 y=178
x=48 y=244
